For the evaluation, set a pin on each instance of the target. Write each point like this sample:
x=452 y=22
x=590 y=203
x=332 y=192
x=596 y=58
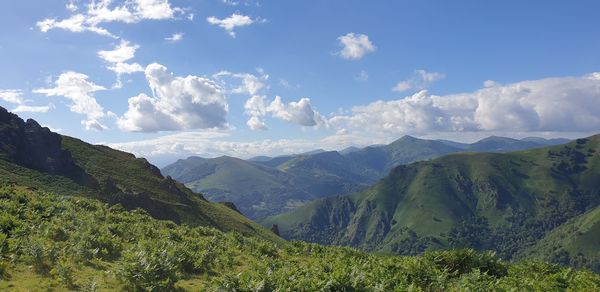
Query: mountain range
x=542 y=203
x=264 y=186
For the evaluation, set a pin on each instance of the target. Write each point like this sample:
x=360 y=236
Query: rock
x=33 y=146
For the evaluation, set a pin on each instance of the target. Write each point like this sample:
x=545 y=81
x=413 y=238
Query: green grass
x=59 y=243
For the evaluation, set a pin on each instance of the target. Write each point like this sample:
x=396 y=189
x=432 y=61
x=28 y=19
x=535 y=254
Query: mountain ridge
x=312 y=175
x=505 y=202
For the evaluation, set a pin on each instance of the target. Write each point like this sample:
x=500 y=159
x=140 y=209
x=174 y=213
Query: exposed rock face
x=33 y=146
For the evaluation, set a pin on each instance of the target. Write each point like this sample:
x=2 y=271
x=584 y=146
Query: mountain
x=244 y=183
x=402 y=151
x=547 y=142
x=51 y=242
x=34 y=157
x=503 y=144
x=264 y=186
x=260 y=190
x=504 y=202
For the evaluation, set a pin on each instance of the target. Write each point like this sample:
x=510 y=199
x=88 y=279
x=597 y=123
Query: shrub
x=63 y=272
x=150 y=267
x=461 y=261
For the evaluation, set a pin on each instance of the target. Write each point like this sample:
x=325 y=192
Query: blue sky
x=245 y=78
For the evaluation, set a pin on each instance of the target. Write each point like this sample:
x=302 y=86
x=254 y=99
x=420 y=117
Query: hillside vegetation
x=534 y=203
x=55 y=242
x=33 y=156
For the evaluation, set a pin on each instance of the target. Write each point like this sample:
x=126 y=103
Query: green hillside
x=504 y=202
x=259 y=190
x=255 y=189
x=34 y=157
x=50 y=242
x=574 y=243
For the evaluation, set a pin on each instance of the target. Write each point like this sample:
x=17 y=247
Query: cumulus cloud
x=77 y=89
x=256 y=108
x=178 y=103
x=121 y=53
x=421 y=79
x=355 y=46
x=248 y=83
x=11 y=95
x=117 y=58
x=230 y=23
x=300 y=112
x=176 y=37
x=567 y=104
x=106 y=11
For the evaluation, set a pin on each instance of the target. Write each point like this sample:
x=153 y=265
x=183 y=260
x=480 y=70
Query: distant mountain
x=349 y=150
x=520 y=203
x=503 y=144
x=33 y=157
x=402 y=151
x=547 y=142
x=264 y=186
x=260 y=190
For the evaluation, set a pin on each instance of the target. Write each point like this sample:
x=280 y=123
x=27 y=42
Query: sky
x=166 y=79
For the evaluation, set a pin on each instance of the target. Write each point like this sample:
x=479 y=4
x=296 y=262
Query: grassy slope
x=521 y=195
x=143 y=187
x=51 y=242
x=260 y=190
x=257 y=190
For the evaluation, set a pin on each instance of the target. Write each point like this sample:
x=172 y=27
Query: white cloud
x=214 y=144
x=117 y=58
x=300 y=112
x=231 y=22
x=490 y=83
x=552 y=105
x=71 y=6
x=256 y=123
x=75 y=23
x=76 y=88
x=32 y=109
x=176 y=37
x=11 y=95
x=179 y=103
x=256 y=108
x=106 y=11
x=249 y=83
x=355 y=46
x=122 y=52
x=421 y=79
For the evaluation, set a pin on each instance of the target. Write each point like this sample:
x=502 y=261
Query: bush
x=63 y=272
x=462 y=261
x=150 y=267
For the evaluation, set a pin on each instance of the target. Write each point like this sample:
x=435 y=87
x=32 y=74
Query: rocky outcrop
x=33 y=146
